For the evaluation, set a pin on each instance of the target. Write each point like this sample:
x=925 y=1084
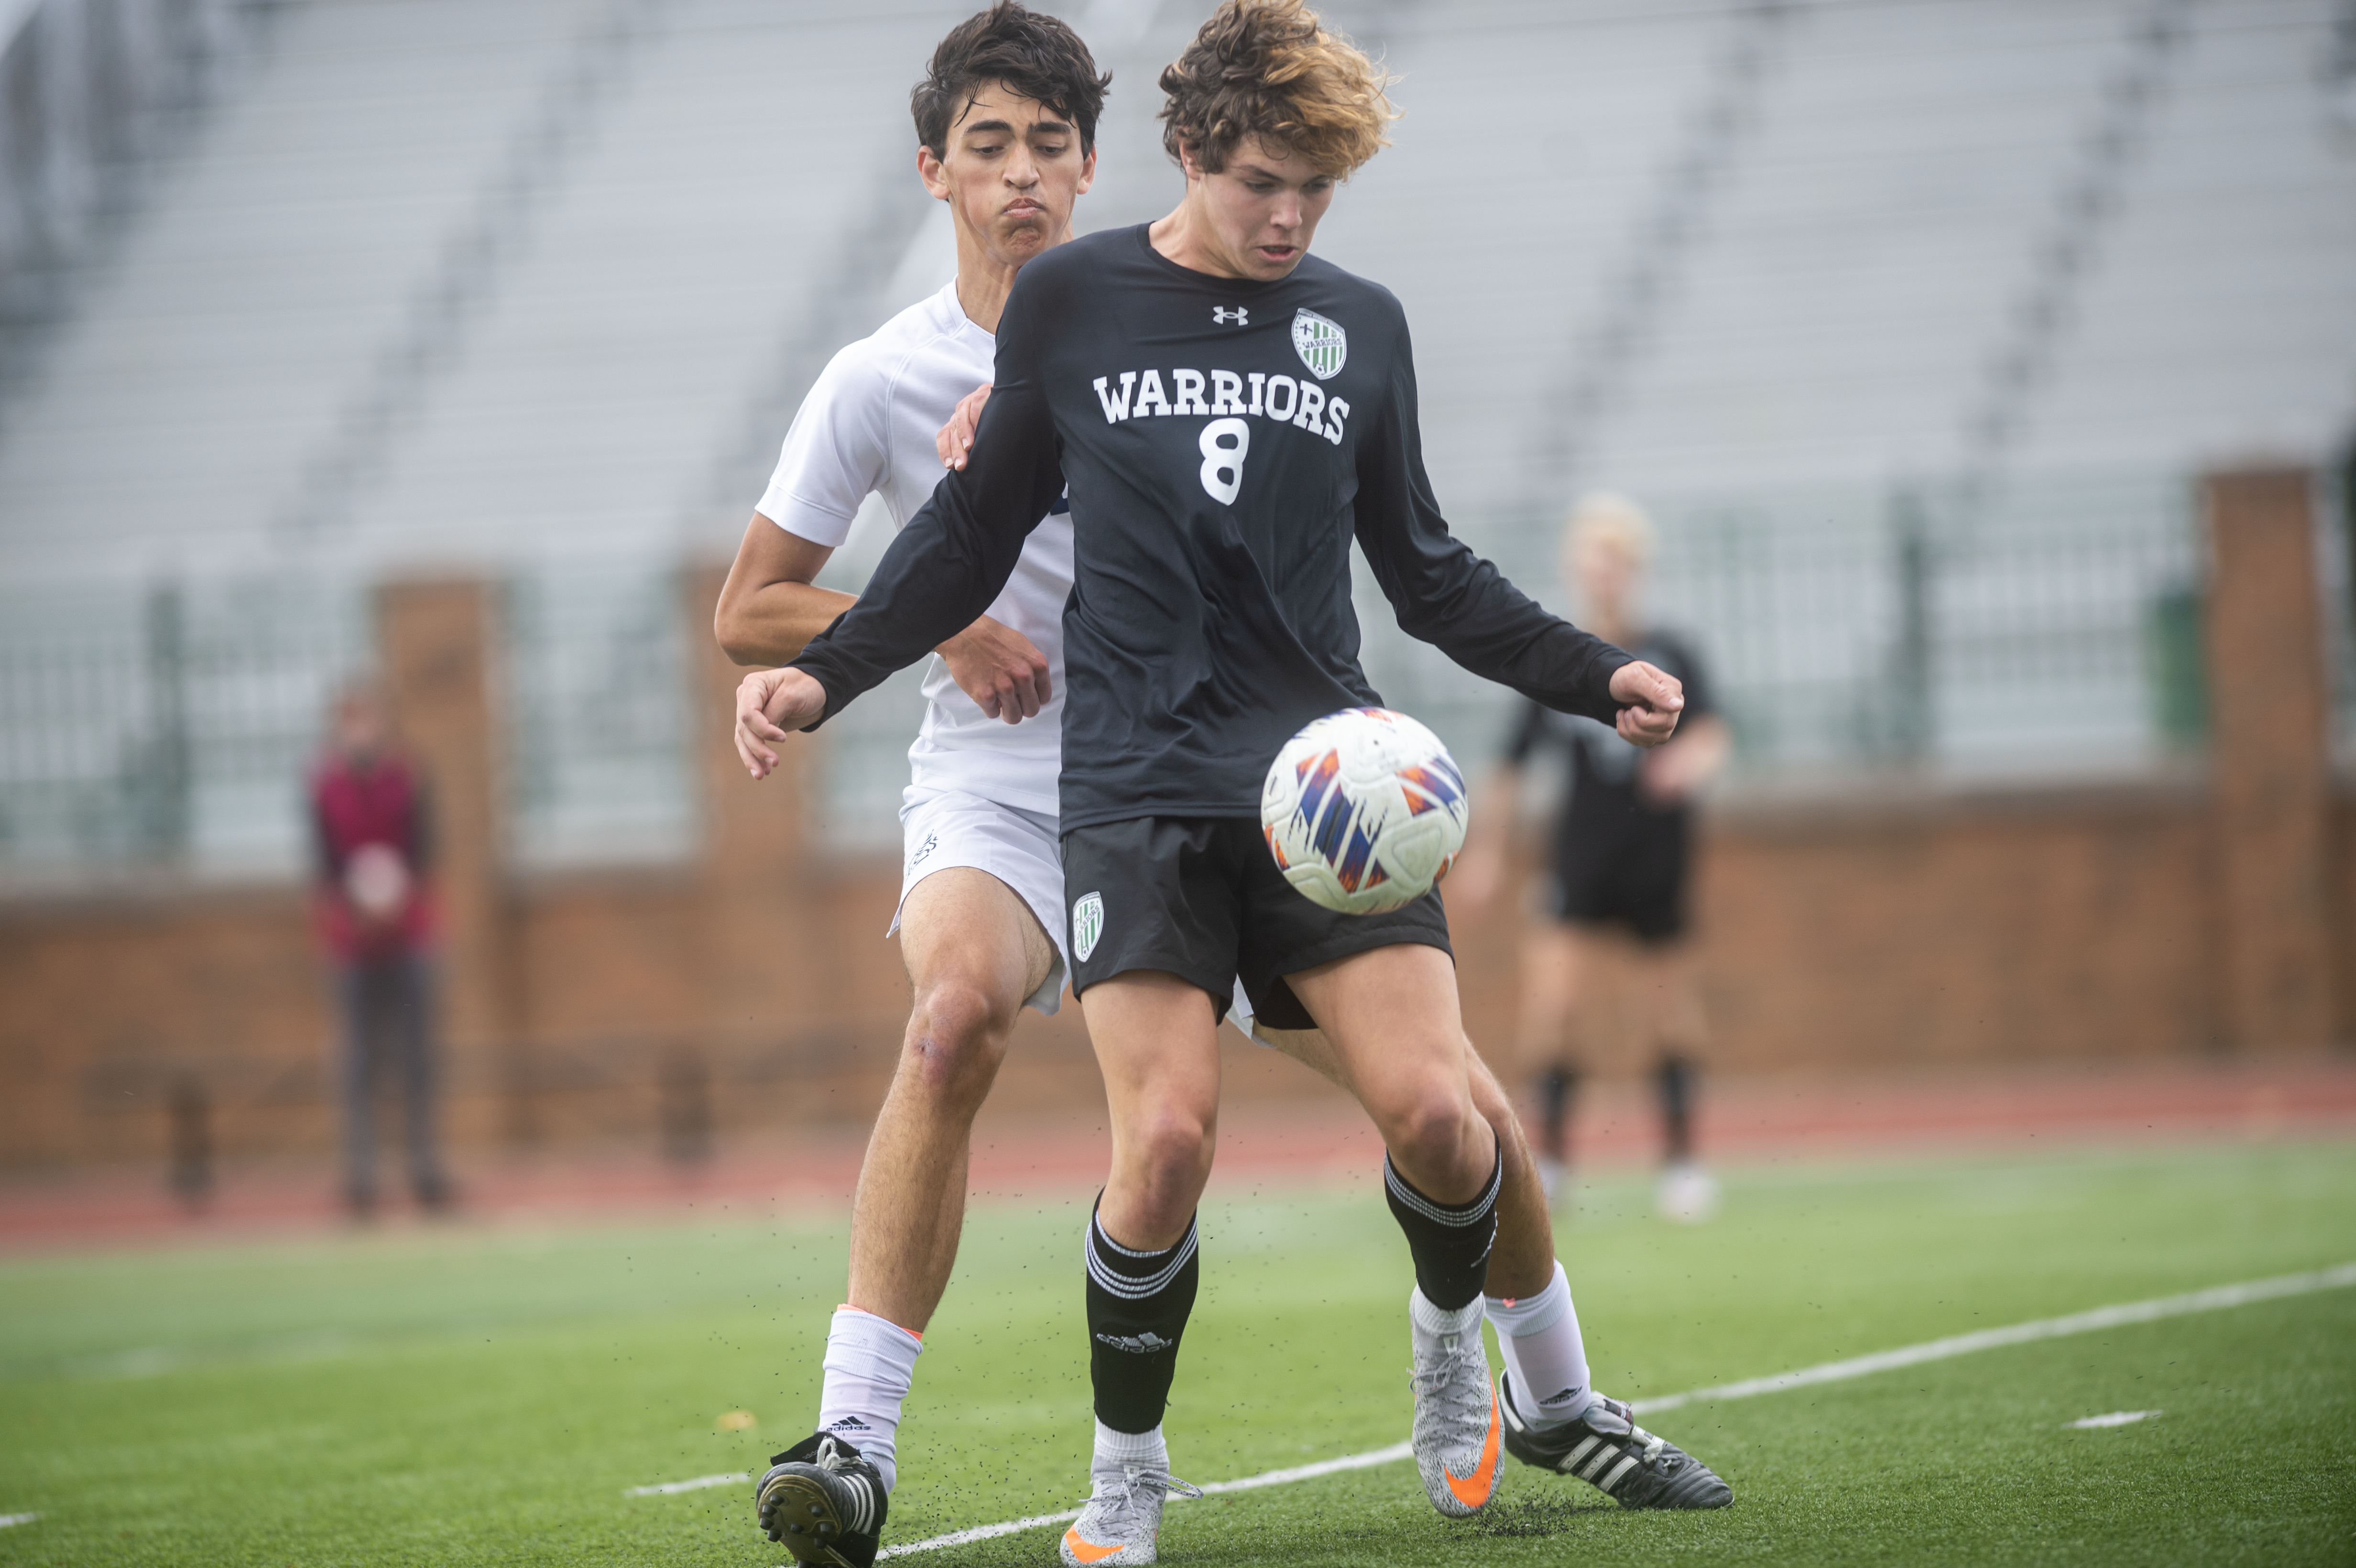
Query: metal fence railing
x=170 y=730
x=165 y=729
x=600 y=765
x=2058 y=635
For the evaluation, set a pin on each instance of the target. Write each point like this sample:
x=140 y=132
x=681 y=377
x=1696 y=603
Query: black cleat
x=824 y=1503
x=1606 y=1447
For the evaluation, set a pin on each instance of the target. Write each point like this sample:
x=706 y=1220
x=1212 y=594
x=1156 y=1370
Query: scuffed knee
x=956 y=1036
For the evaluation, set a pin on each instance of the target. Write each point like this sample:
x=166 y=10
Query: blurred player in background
x=1621 y=864
x=1210 y=617
x=372 y=845
x=1005 y=122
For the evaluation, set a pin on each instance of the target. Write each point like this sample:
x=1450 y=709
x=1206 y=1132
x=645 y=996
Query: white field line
x=2101 y=1317
x=664 y=1488
x=8 y=1518
x=1246 y=1484
x=2115 y=1418
x=2215 y=1299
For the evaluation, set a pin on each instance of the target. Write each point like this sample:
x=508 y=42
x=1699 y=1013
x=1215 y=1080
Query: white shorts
x=946 y=828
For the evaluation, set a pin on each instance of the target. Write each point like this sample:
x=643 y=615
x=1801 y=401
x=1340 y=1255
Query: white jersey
x=868 y=426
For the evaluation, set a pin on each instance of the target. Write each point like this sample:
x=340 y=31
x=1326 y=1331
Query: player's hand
x=1002 y=670
x=955 y=439
x=1652 y=699
x=769 y=704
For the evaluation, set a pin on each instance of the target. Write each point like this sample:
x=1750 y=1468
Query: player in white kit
x=1006 y=118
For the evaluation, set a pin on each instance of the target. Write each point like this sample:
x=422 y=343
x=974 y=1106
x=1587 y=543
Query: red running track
x=1746 y=1119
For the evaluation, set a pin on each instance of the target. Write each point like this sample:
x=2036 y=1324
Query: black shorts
x=1200 y=897
x=1630 y=872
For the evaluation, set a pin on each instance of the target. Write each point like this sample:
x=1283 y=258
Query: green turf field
x=485 y=1394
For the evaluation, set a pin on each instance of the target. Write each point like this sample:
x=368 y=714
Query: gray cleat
x=1121 y=1520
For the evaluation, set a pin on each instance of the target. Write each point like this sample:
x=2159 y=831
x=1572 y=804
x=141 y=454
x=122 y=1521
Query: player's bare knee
x=1432 y=1126
x=1173 y=1158
x=956 y=1036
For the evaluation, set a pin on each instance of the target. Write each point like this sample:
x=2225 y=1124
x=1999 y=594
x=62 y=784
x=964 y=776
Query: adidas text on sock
x=870 y=1362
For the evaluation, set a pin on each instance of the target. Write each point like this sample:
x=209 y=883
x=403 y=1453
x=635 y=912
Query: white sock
x=1116 y=1450
x=1436 y=1320
x=870 y=1362
x=1546 y=1360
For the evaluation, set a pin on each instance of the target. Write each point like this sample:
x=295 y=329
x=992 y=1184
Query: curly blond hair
x=1270 y=68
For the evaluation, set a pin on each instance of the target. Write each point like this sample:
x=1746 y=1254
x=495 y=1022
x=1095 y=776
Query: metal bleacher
x=533 y=287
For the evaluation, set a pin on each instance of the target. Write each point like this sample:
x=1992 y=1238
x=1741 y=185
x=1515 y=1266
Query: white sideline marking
x=2101 y=1317
x=2214 y=1300
x=664 y=1488
x=2115 y=1418
x=8 y=1518
x=1310 y=1472
x=978 y=1532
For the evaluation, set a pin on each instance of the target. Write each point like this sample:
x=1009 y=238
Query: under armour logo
x=1239 y=316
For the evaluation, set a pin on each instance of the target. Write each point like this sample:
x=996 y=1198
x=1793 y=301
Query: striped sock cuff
x=1133 y=1275
x=1477 y=1212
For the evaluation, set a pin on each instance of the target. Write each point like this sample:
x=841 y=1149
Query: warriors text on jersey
x=1224 y=440
x=868 y=426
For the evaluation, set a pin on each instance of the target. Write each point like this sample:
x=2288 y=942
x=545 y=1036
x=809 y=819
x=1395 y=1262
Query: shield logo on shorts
x=1088 y=924
x=1322 y=344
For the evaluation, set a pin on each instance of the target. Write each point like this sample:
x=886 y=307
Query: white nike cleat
x=1458 y=1434
x=1122 y=1519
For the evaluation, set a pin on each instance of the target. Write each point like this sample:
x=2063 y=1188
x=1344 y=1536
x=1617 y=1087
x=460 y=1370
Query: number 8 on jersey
x=1224 y=443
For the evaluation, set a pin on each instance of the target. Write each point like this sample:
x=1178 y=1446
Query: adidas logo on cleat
x=1143 y=1344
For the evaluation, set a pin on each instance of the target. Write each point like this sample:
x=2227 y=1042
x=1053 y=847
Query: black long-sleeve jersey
x=1223 y=441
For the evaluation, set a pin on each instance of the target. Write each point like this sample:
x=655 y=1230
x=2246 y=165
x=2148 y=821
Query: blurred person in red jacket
x=372 y=840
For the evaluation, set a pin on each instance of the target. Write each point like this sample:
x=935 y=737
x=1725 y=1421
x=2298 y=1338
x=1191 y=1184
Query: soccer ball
x=1363 y=811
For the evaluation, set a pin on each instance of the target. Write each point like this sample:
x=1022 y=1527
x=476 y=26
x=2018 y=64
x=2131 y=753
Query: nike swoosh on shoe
x=1475 y=1489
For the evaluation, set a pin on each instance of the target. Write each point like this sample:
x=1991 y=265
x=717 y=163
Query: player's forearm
x=954 y=556
x=773 y=623
x=934 y=581
x=1464 y=606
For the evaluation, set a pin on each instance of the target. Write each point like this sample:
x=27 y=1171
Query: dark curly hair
x=1038 y=55
x=1270 y=68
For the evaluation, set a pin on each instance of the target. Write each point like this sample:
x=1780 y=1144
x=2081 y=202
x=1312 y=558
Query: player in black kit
x=1619 y=864
x=1229 y=414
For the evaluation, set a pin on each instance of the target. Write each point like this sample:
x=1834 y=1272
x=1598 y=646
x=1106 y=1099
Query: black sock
x=1557 y=1086
x=1450 y=1242
x=1138 y=1304
x=1676 y=1079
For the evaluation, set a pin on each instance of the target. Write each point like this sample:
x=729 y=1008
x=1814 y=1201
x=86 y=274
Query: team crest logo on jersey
x=1322 y=344
x=1088 y=924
